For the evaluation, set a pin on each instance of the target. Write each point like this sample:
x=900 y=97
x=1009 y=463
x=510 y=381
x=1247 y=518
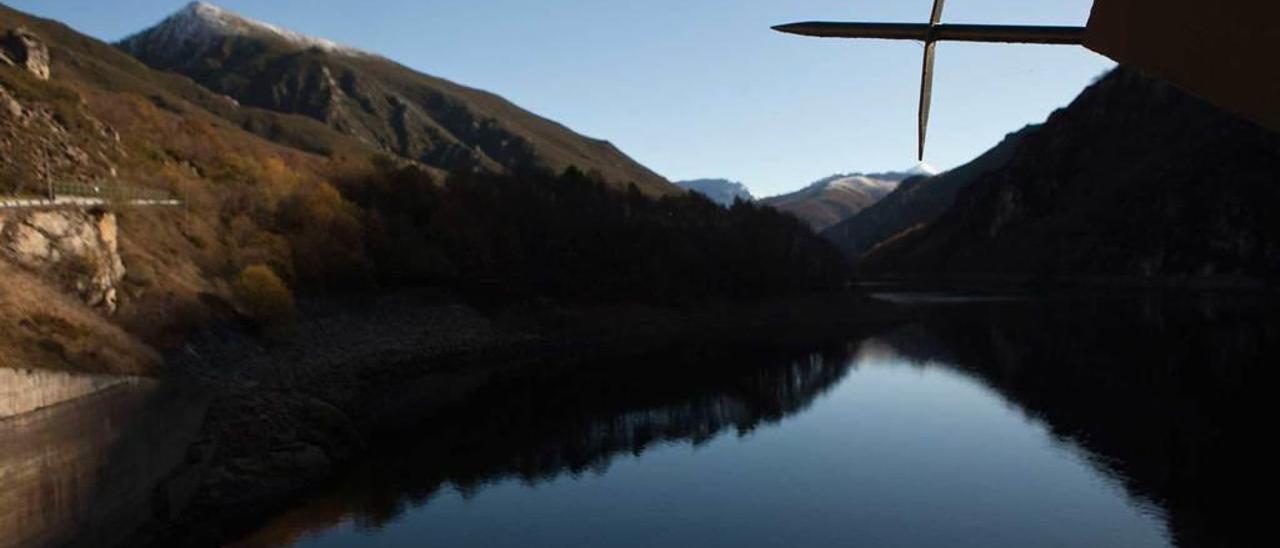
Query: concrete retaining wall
x=23 y=391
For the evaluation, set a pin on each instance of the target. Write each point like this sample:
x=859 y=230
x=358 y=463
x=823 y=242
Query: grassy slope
x=175 y=135
x=43 y=327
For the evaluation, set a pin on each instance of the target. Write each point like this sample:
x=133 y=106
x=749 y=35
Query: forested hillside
x=1135 y=180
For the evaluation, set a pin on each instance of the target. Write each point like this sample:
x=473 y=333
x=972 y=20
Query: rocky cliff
x=78 y=250
x=20 y=47
x=1134 y=180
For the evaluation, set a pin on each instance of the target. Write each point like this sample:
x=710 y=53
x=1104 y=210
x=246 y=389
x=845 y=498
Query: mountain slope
x=375 y=100
x=720 y=191
x=836 y=198
x=98 y=116
x=261 y=221
x=916 y=201
x=1135 y=179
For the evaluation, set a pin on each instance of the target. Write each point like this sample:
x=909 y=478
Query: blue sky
x=698 y=88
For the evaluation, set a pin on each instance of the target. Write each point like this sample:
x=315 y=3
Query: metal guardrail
x=111 y=192
x=72 y=194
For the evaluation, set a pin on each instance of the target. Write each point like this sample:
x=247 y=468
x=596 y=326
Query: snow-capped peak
x=923 y=168
x=203 y=25
x=862 y=182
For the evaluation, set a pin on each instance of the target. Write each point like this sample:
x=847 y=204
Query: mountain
x=84 y=289
x=720 y=191
x=1134 y=180
x=373 y=99
x=922 y=169
x=278 y=205
x=836 y=198
x=916 y=201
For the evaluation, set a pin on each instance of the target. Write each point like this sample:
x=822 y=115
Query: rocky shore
x=288 y=414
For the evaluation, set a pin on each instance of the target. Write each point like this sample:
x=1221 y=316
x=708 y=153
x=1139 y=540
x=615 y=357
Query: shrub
x=265 y=298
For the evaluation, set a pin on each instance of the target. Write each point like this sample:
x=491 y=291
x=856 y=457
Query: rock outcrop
x=78 y=250
x=10 y=106
x=22 y=48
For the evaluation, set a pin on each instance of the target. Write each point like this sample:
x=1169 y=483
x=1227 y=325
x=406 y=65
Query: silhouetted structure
x=1217 y=52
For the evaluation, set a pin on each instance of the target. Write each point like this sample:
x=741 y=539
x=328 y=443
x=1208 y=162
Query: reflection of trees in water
x=1164 y=393
x=542 y=424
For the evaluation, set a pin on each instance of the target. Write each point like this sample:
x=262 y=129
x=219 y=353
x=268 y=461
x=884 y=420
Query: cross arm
x=939 y=33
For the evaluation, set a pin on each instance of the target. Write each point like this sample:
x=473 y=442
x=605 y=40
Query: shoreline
x=288 y=417
x=977 y=282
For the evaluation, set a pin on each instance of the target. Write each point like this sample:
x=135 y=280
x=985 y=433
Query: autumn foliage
x=264 y=297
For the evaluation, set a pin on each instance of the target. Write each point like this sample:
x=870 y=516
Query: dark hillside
x=1134 y=180
x=915 y=201
x=571 y=237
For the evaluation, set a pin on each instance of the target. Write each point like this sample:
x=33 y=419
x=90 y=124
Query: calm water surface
x=998 y=423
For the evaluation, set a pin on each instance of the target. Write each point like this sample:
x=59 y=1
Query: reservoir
x=1049 y=421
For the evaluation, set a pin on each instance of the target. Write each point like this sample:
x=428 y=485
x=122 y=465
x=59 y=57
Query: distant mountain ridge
x=918 y=200
x=720 y=191
x=370 y=98
x=831 y=200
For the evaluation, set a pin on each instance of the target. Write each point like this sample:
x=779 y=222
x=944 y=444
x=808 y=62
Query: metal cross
x=931 y=34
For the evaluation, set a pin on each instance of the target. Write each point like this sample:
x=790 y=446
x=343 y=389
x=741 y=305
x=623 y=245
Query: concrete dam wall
x=25 y=390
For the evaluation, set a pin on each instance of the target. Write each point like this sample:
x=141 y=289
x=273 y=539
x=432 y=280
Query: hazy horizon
x=680 y=86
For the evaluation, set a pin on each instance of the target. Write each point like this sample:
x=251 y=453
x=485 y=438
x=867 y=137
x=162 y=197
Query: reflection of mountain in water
x=1164 y=394
x=543 y=424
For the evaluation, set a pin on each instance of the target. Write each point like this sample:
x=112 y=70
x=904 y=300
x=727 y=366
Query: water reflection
x=1063 y=421
x=1163 y=391
x=544 y=424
